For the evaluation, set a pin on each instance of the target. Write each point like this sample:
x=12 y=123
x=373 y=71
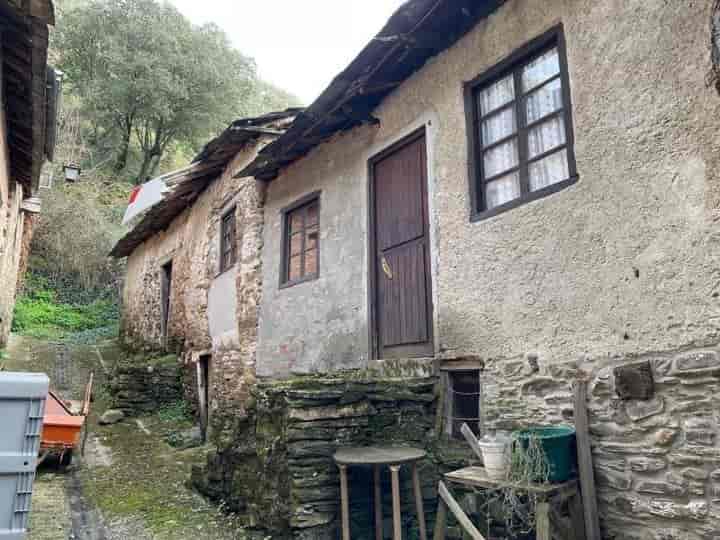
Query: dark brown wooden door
x=402 y=289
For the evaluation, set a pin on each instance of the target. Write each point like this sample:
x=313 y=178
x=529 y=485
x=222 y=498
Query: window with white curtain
x=521 y=125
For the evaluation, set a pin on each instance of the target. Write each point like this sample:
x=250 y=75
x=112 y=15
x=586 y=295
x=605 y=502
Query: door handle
x=386 y=267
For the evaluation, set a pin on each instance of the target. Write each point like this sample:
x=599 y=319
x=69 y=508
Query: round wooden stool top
x=378 y=455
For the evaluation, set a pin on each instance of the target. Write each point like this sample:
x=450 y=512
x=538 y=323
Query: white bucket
x=495 y=458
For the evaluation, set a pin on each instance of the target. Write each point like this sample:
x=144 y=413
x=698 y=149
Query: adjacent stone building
x=506 y=195
x=27 y=118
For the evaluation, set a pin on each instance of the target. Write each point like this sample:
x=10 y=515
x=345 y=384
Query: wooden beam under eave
x=39 y=110
x=42 y=10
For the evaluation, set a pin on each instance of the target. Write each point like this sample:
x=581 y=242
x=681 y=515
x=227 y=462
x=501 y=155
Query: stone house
x=495 y=198
x=27 y=131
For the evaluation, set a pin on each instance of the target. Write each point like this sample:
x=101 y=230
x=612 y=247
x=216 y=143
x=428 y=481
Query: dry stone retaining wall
x=275 y=465
x=141 y=384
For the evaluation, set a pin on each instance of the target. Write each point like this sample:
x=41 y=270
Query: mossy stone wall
x=140 y=383
x=275 y=465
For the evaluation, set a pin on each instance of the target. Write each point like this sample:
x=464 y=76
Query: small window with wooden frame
x=463 y=401
x=228 y=240
x=520 y=132
x=301 y=241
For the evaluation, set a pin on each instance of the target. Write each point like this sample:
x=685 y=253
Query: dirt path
x=130 y=484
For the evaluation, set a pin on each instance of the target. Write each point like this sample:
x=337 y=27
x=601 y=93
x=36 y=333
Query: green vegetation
x=153 y=82
x=40 y=313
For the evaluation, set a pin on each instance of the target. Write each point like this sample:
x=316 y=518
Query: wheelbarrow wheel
x=66 y=458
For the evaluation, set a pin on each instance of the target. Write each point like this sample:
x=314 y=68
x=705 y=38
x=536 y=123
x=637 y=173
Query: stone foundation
x=140 y=384
x=275 y=464
x=657 y=460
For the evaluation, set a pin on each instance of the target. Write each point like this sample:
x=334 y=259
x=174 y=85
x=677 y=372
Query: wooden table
x=546 y=516
x=377 y=457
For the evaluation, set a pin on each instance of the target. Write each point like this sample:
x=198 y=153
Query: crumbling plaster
x=623 y=262
x=205 y=316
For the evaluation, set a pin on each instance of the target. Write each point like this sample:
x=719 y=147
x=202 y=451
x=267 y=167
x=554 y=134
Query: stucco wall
x=319 y=325
x=620 y=266
x=625 y=261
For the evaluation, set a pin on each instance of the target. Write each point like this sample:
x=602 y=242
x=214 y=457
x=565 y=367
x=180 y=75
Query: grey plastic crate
x=22 y=404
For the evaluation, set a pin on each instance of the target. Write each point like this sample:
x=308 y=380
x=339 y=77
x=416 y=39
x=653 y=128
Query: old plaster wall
x=11 y=235
x=206 y=317
x=623 y=261
x=622 y=265
x=319 y=325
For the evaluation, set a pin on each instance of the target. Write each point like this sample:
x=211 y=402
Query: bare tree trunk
x=143 y=175
x=122 y=158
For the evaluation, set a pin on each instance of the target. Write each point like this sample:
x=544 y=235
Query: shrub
x=39 y=313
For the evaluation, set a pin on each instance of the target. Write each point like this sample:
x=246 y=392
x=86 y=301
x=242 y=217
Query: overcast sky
x=299 y=45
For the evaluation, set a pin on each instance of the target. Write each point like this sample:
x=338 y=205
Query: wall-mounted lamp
x=72 y=172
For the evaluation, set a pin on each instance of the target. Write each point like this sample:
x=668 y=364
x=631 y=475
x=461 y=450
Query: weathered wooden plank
x=344 y=502
x=377 y=500
x=585 y=464
x=542 y=521
x=397 y=519
x=440 y=520
x=559 y=527
x=471 y=440
x=477 y=477
x=577 y=518
x=419 y=502
x=457 y=511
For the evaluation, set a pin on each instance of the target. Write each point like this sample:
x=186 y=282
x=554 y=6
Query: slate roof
x=186 y=185
x=417 y=31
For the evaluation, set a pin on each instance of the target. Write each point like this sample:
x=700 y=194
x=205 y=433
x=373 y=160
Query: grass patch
x=38 y=313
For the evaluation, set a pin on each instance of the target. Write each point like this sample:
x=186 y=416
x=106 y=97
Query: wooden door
x=203 y=374
x=402 y=296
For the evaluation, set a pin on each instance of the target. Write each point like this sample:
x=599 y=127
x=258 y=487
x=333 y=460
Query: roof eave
x=417 y=31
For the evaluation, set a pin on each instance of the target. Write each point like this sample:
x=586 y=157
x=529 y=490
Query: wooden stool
x=393 y=458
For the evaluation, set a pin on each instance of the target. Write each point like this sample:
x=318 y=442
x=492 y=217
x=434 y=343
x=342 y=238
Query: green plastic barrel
x=558 y=444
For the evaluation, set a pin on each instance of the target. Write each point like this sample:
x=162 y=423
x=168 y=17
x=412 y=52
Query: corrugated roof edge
x=417 y=31
x=187 y=185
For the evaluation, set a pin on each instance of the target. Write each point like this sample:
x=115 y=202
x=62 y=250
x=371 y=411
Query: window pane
x=296 y=220
x=295 y=268
x=312 y=214
x=498 y=126
x=311 y=238
x=546 y=136
x=311 y=262
x=502 y=190
x=501 y=158
x=549 y=170
x=296 y=244
x=544 y=101
x=497 y=95
x=540 y=69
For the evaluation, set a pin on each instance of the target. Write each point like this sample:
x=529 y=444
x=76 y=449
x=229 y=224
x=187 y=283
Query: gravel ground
x=130 y=485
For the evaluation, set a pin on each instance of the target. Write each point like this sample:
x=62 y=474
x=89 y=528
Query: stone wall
x=657 y=460
x=11 y=248
x=199 y=293
x=275 y=465
x=140 y=384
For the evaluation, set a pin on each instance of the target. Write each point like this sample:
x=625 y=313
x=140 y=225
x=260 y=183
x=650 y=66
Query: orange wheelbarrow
x=63 y=426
